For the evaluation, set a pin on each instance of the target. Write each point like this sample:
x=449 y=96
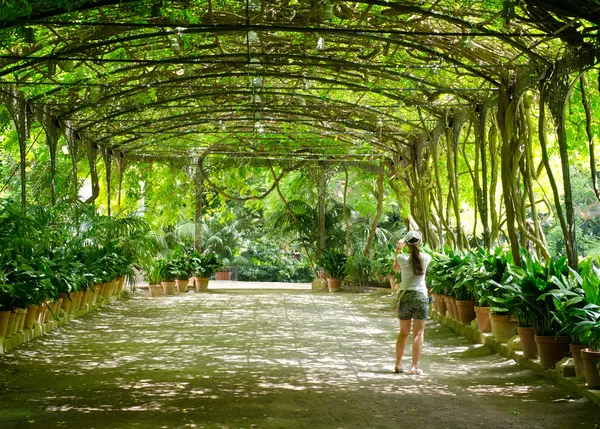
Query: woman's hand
x=400 y=245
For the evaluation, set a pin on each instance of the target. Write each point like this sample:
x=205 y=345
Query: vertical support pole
x=92 y=154
x=108 y=165
x=321 y=195
x=52 y=140
x=72 y=140
x=199 y=188
x=121 y=165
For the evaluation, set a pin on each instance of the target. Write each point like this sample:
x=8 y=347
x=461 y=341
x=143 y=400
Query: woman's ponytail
x=417 y=263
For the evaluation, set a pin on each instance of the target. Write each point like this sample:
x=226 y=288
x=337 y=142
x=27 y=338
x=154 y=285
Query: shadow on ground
x=267 y=359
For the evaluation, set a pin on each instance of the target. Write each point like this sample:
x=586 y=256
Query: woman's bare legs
x=401 y=341
x=418 y=335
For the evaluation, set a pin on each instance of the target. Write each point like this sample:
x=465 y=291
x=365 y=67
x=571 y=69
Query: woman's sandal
x=398 y=369
x=416 y=371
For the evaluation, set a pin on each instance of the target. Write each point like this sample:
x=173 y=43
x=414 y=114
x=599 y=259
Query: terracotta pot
x=41 y=313
x=576 y=350
x=30 y=317
x=4 y=318
x=592 y=376
x=449 y=307
x=503 y=328
x=201 y=284
x=168 y=288
x=22 y=312
x=333 y=285
x=552 y=349
x=528 y=345
x=455 y=308
x=12 y=324
x=155 y=290
x=182 y=285
x=483 y=319
x=466 y=311
x=121 y=284
x=442 y=304
x=66 y=302
x=223 y=275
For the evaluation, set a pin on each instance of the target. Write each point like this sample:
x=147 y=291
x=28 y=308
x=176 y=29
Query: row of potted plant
x=173 y=272
x=63 y=258
x=553 y=309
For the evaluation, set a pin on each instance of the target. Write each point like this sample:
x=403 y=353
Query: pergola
x=369 y=83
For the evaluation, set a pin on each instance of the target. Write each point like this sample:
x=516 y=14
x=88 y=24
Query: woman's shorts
x=413 y=305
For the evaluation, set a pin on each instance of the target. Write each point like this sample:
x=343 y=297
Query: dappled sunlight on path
x=266 y=359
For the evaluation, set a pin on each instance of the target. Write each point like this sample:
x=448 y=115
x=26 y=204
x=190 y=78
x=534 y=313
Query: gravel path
x=267 y=359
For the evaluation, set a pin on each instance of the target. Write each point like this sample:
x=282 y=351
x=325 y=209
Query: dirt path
x=267 y=359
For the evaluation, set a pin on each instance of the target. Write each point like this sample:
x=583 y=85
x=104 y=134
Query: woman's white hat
x=413 y=237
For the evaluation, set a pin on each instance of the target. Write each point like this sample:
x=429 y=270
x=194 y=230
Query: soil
x=268 y=359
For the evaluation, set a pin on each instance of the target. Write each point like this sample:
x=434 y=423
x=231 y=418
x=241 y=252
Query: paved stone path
x=267 y=359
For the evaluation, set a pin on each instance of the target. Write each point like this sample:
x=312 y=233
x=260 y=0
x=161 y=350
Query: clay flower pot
x=576 y=350
x=503 y=328
x=528 y=345
x=333 y=285
x=449 y=307
x=552 y=349
x=201 y=284
x=483 y=319
x=168 y=288
x=592 y=376
x=155 y=290
x=441 y=303
x=182 y=285
x=466 y=311
x=4 y=317
x=30 y=317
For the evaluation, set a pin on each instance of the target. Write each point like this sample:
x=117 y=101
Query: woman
x=414 y=301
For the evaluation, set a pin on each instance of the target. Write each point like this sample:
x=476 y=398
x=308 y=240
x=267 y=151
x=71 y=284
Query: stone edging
x=563 y=374
x=38 y=330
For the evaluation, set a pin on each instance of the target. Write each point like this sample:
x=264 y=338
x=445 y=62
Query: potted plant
x=182 y=269
x=579 y=316
x=168 y=274
x=335 y=265
x=540 y=287
x=203 y=266
x=153 y=277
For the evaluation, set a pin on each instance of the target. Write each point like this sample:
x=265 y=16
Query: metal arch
x=174 y=125
x=241 y=92
x=241 y=28
x=141 y=87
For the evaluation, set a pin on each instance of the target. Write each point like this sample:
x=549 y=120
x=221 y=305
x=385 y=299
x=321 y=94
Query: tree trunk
x=92 y=154
x=589 y=120
x=546 y=160
x=377 y=214
x=558 y=107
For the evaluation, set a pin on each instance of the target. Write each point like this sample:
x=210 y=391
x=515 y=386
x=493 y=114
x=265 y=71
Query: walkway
x=266 y=359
